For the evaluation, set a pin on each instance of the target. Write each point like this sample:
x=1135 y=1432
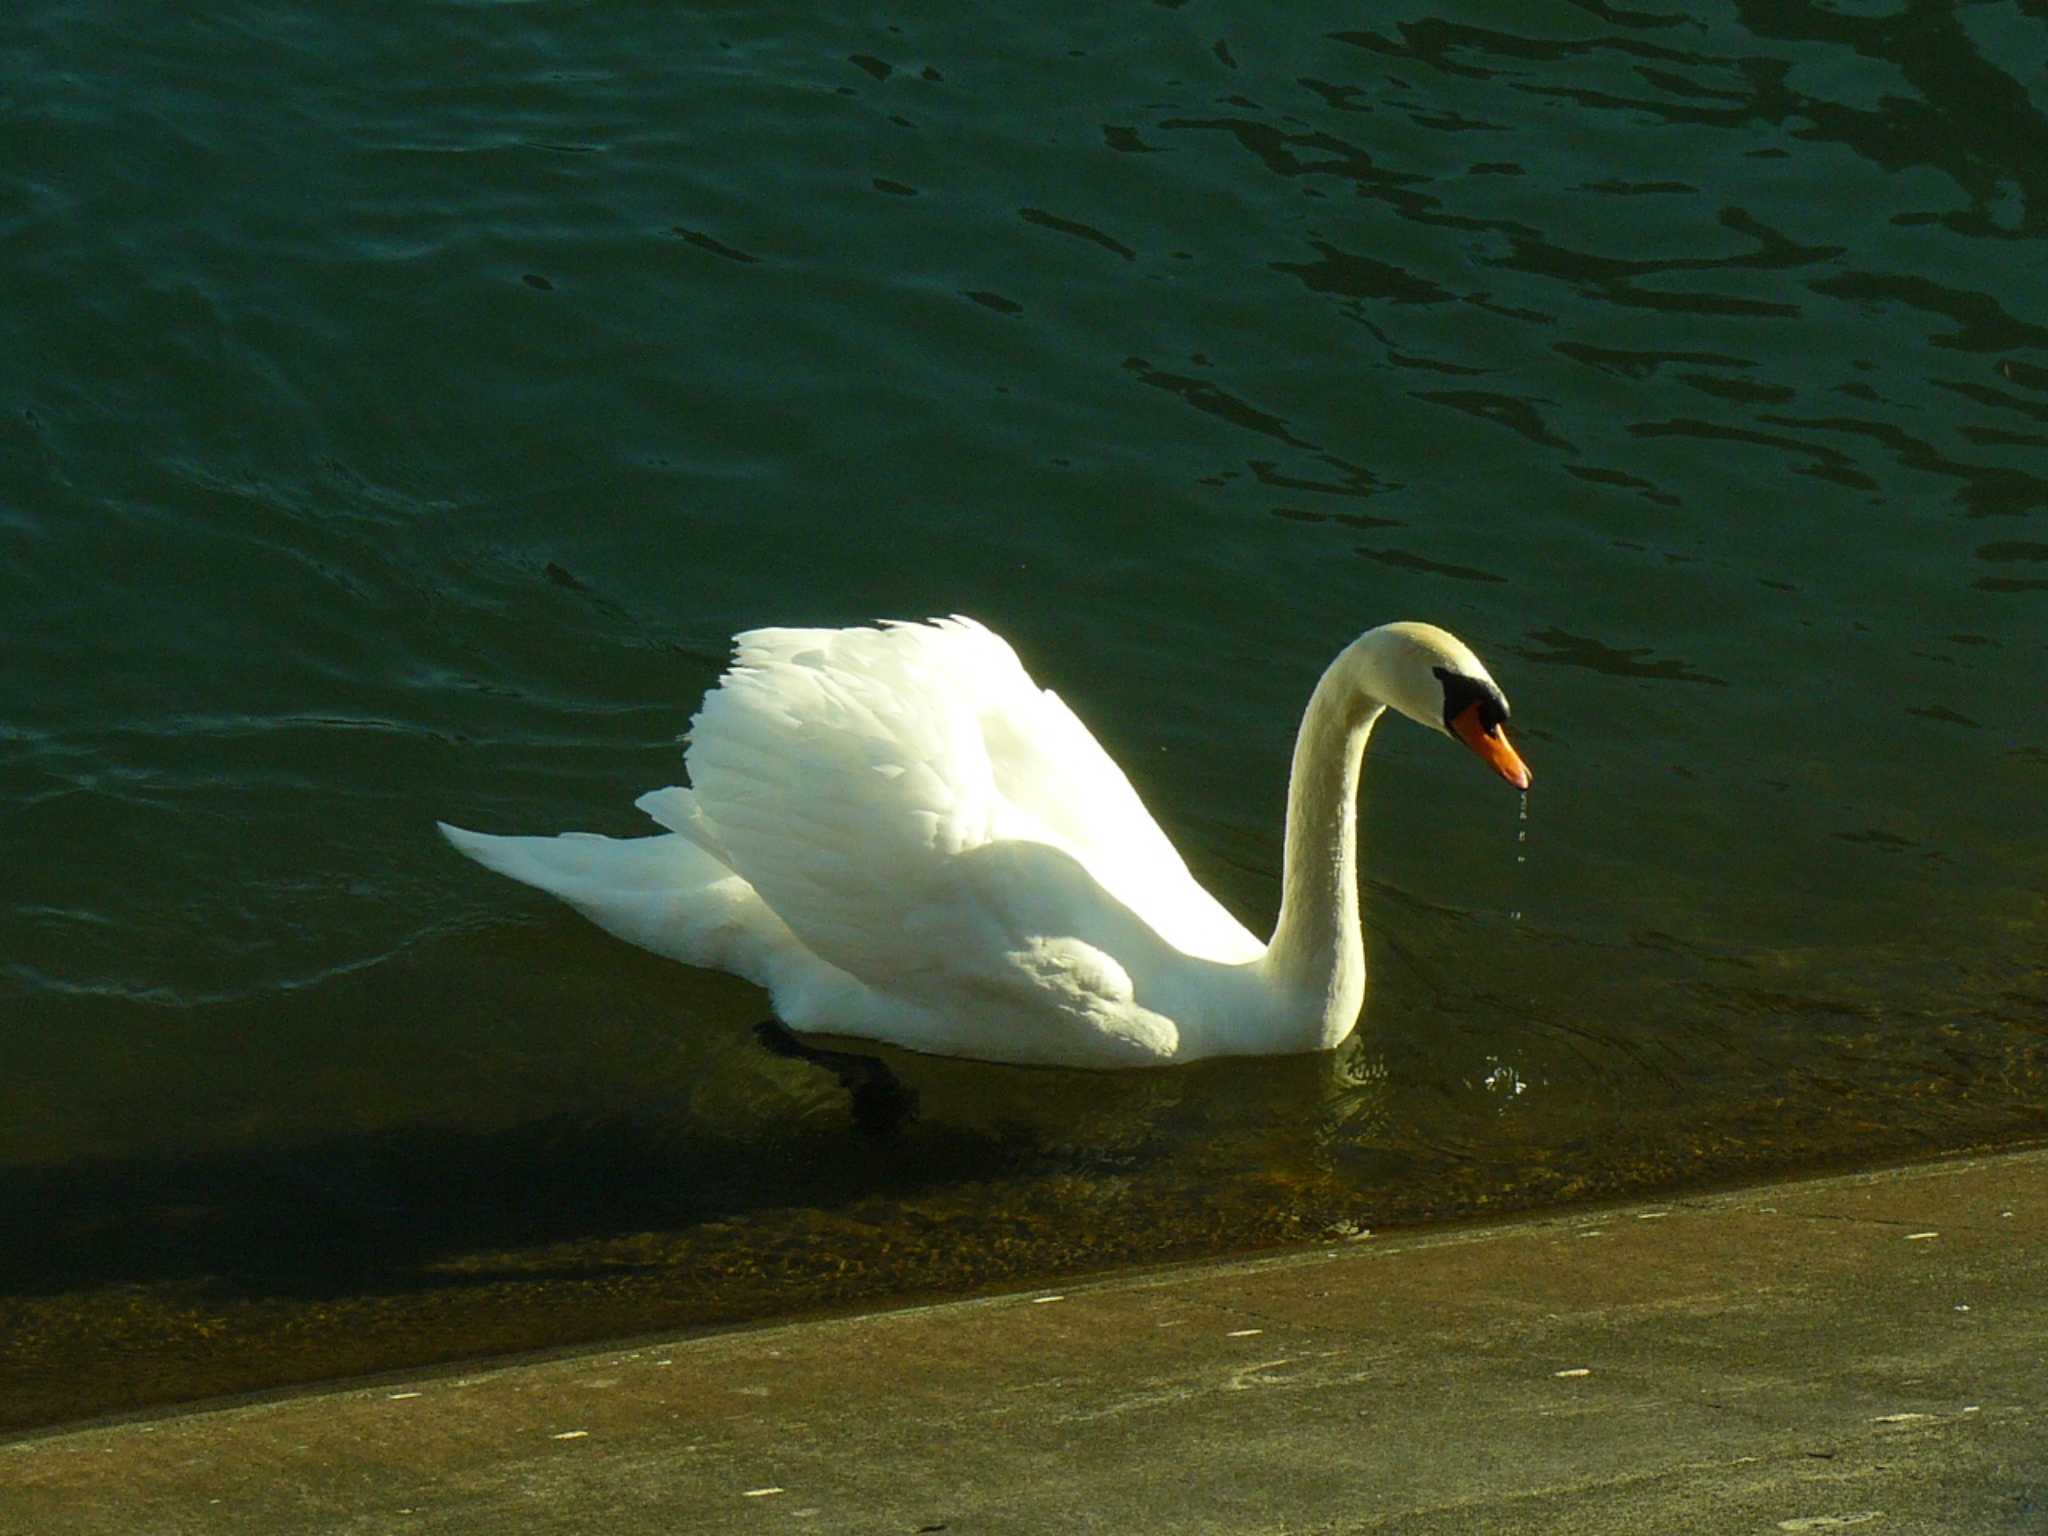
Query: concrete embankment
x=1868 y=1350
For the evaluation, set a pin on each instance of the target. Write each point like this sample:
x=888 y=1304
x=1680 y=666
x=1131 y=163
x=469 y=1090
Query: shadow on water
x=722 y=1136
x=384 y=1211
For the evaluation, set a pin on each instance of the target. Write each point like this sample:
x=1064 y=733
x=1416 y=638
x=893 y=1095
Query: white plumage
x=903 y=838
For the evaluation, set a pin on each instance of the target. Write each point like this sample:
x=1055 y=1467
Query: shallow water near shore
x=413 y=413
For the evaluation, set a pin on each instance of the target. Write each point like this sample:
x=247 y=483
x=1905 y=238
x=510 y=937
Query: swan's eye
x=1462 y=693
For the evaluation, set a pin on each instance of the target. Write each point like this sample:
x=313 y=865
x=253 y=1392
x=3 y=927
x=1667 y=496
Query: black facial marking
x=1462 y=692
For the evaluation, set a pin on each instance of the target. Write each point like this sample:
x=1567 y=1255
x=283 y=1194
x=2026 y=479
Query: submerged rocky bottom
x=561 y=1161
x=549 y=1236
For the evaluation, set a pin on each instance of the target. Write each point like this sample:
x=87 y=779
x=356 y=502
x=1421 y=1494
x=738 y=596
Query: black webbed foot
x=882 y=1106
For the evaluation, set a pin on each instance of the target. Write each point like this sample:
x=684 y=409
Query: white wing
x=844 y=773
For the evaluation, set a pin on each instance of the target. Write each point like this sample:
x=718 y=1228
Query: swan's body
x=902 y=838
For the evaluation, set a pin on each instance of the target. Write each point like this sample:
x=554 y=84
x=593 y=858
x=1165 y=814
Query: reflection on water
x=407 y=435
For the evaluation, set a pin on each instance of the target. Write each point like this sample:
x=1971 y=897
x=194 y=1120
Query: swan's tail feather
x=663 y=893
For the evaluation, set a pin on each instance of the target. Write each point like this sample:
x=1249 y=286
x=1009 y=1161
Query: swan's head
x=1432 y=677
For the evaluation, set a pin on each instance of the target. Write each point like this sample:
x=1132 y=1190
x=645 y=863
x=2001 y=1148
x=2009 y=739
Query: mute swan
x=903 y=838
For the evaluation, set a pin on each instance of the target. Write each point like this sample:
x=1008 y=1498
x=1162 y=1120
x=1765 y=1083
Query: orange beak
x=1491 y=743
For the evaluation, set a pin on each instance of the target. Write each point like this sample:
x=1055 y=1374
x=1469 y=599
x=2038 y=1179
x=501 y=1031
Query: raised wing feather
x=844 y=772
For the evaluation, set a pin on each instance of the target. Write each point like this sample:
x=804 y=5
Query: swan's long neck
x=1318 y=953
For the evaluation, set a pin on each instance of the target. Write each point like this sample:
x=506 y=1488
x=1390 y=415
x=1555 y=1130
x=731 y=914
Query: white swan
x=903 y=838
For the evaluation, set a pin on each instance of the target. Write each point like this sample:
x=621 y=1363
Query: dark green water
x=400 y=409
